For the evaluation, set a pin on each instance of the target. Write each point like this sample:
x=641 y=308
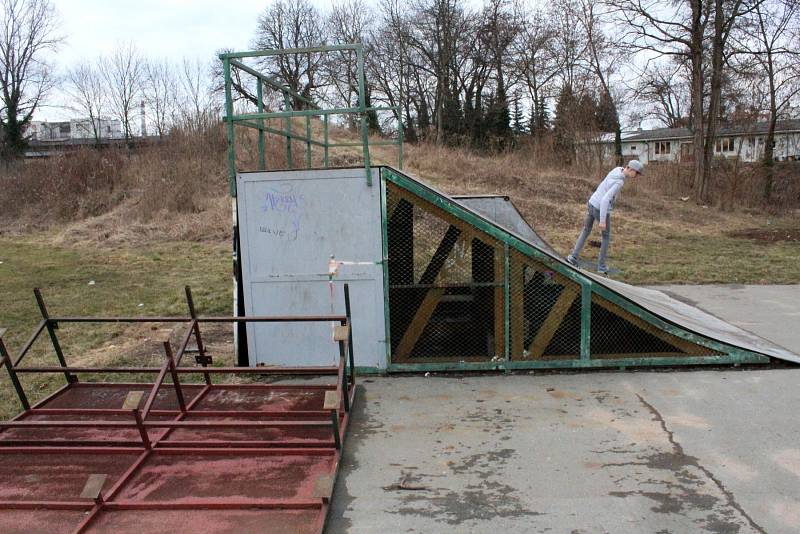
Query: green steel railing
x=258 y=120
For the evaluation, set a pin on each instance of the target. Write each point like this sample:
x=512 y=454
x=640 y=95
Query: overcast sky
x=159 y=28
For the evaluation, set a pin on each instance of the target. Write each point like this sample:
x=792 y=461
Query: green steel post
x=51 y=330
x=325 y=128
x=262 y=162
x=506 y=303
x=288 y=104
x=226 y=67
x=308 y=141
x=385 y=265
x=400 y=142
x=586 y=320
x=5 y=360
x=362 y=107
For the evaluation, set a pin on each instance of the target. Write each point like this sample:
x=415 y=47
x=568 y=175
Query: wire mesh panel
x=617 y=332
x=544 y=311
x=451 y=300
x=446 y=284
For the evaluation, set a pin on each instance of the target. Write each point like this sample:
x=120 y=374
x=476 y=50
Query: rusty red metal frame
x=154 y=426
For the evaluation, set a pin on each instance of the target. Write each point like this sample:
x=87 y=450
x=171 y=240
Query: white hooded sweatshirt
x=606 y=192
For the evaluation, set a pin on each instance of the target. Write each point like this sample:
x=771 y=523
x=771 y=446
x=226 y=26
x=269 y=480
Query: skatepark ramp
x=454 y=283
x=438 y=283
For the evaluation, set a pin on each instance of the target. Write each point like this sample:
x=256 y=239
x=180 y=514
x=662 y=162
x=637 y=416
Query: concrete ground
x=675 y=451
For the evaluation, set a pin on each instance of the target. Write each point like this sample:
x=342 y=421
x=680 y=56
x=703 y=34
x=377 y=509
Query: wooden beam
x=499 y=304
x=454 y=221
x=391 y=204
x=679 y=343
x=93 y=487
x=554 y=319
x=331 y=400
x=341 y=332
x=517 y=290
x=431 y=299
x=132 y=400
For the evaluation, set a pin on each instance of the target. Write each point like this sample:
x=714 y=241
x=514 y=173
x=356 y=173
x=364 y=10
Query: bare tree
x=292 y=24
x=348 y=22
x=570 y=43
x=605 y=57
x=769 y=48
x=726 y=15
x=664 y=87
x=538 y=65
x=87 y=90
x=159 y=86
x=196 y=104
x=28 y=30
x=675 y=32
x=123 y=73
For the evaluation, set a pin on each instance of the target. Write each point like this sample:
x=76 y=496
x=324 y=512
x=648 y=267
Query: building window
x=724 y=144
x=633 y=148
x=663 y=147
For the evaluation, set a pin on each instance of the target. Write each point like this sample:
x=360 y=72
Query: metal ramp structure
x=457 y=289
x=470 y=292
x=173 y=454
x=463 y=283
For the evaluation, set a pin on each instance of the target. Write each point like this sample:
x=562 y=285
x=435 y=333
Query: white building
x=745 y=142
x=74 y=129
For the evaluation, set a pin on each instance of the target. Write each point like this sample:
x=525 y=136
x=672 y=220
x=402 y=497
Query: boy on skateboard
x=599 y=208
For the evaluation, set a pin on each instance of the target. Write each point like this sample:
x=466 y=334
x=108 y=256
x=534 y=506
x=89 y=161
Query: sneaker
x=602 y=270
x=572 y=260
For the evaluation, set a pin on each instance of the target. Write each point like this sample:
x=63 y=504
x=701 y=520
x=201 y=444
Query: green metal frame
x=730 y=354
x=257 y=120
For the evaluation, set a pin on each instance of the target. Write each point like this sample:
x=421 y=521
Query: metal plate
x=291 y=222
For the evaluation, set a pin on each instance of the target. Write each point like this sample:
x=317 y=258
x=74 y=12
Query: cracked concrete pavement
x=661 y=452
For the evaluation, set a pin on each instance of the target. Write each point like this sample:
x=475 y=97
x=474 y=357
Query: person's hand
x=602 y=227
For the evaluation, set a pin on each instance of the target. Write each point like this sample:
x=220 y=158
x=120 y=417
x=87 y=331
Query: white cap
x=636 y=165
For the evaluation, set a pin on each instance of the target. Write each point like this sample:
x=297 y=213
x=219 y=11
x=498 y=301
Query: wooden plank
x=132 y=400
x=392 y=201
x=679 y=343
x=323 y=487
x=93 y=487
x=341 y=332
x=331 y=400
x=517 y=290
x=499 y=304
x=553 y=321
x=429 y=303
x=467 y=229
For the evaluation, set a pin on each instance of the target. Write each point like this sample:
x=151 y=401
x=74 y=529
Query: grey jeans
x=593 y=214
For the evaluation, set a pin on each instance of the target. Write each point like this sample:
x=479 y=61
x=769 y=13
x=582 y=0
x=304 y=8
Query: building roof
x=790 y=125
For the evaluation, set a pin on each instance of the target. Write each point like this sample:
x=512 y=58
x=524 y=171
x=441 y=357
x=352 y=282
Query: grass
x=146 y=280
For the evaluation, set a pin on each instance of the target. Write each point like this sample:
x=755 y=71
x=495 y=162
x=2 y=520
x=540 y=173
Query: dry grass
x=657 y=236
x=177 y=191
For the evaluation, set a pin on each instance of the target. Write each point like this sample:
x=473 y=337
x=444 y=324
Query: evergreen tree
x=606 y=114
x=563 y=126
x=452 y=117
x=540 y=118
x=498 y=119
x=517 y=116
